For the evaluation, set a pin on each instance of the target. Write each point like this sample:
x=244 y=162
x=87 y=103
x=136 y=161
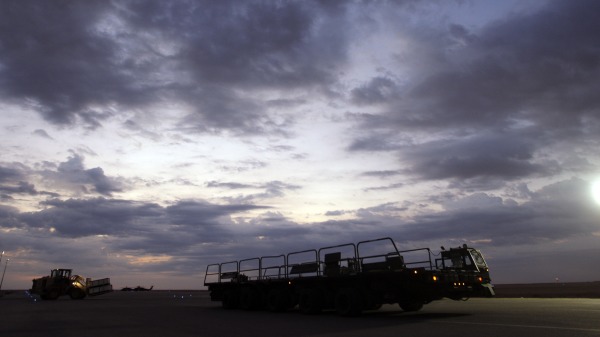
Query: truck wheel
x=310 y=302
x=77 y=294
x=411 y=305
x=348 y=302
x=231 y=300
x=249 y=299
x=277 y=300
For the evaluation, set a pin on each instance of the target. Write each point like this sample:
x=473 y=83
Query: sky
x=144 y=140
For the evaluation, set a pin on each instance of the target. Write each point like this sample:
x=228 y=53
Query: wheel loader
x=61 y=282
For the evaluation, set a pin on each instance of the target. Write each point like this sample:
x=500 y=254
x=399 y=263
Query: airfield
x=539 y=312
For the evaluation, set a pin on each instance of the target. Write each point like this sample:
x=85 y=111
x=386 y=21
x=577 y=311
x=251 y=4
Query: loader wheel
x=77 y=294
x=310 y=302
x=411 y=305
x=348 y=302
x=51 y=295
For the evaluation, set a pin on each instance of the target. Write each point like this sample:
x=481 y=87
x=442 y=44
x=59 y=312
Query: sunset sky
x=143 y=140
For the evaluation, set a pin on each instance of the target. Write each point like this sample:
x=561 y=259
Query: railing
x=326 y=261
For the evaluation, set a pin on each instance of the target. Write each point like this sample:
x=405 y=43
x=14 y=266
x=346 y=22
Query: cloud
x=378 y=90
x=94 y=61
x=502 y=156
x=42 y=133
x=72 y=173
x=8 y=174
x=87 y=217
x=56 y=61
x=558 y=211
x=495 y=105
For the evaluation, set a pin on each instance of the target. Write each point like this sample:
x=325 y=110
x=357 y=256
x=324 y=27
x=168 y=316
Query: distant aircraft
x=138 y=288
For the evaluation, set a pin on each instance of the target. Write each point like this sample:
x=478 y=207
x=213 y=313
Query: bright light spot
x=596 y=191
x=52 y=229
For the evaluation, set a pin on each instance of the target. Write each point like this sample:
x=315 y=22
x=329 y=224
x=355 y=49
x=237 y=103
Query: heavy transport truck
x=350 y=278
x=60 y=282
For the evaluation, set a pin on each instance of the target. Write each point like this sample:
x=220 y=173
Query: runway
x=190 y=313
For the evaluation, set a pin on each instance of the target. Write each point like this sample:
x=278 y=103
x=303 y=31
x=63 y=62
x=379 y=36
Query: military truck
x=60 y=282
x=350 y=278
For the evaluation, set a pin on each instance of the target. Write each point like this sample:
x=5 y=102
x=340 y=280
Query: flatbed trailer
x=349 y=278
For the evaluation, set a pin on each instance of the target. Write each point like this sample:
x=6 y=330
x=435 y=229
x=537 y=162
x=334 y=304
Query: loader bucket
x=99 y=287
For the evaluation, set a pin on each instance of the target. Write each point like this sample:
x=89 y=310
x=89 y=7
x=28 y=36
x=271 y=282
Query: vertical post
x=5 y=265
x=1 y=258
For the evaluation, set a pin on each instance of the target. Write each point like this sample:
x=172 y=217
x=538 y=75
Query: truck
x=350 y=278
x=60 y=282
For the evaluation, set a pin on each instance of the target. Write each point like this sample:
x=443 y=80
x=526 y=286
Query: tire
x=231 y=300
x=373 y=300
x=348 y=302
x=249 y=299
x=51 y=295
x=77 y=294
x=310 y=302
x=278 y=300
x=410 y=306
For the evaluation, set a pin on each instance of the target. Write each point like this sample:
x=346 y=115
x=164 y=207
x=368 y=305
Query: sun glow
x=596 y=191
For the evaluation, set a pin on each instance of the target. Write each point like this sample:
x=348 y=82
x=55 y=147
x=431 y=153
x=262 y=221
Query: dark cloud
x=69 y=178
x=488 y=155
x=381 y=174
x=378 y=90
x=494 y=100
x=56 y=59
x=556 y=212
x=123 y=218
x=540 y=67
x=198 y=213
x=228 y=185
x=83 y=62
x=42 y=133
x=21 y=188
x=86 y=217
x=92 y=180
x=8 y=174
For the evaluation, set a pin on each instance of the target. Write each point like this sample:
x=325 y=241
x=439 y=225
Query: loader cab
x=61 y=273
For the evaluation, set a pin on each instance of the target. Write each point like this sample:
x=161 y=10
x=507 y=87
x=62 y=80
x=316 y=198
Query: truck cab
x=466 y=259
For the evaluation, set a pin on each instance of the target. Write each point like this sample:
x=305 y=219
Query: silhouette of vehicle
x=350 y=278
x=138 y=288
x=61 y=282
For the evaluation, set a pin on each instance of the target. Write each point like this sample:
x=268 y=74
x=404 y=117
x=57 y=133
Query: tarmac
x=191 y=313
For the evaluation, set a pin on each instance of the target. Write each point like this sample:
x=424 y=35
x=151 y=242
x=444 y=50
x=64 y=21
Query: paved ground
x=550 y=290
x=179 y=313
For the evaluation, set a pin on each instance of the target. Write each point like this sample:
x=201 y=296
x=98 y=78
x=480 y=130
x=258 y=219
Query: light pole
x=1 y=258
x=4 y=272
